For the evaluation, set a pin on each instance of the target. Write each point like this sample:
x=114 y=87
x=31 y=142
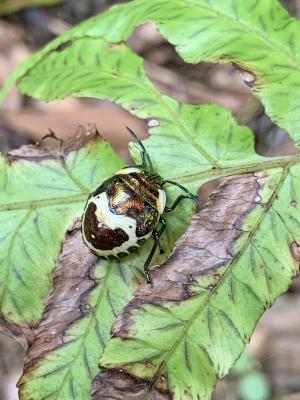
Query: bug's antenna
x=145 y=156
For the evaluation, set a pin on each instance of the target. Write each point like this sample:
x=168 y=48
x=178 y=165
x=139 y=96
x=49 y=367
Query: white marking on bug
x=114 y=221
x=161 y=201
x=129 y=170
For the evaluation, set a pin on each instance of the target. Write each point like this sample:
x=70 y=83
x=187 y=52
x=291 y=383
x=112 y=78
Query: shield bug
x=127 y=209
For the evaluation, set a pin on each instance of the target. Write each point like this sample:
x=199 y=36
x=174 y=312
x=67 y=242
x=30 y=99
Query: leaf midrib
x=264 y=165
x=275 y=162
x=222 y=279
x=44 y=202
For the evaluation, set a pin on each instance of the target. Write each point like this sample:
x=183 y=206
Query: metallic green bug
x=127 y=209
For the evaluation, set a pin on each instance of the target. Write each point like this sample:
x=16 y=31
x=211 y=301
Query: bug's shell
x=122 y=213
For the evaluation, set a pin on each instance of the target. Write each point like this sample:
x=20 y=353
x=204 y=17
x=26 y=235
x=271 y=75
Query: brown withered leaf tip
x=72 y=282
x=51 y=146
x=119 y=385
x=203 y=249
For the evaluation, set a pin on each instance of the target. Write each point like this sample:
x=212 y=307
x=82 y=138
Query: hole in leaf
x=188 y=83
x=63 y=116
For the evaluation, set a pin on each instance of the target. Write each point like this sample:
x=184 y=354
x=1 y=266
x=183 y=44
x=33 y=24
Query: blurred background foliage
x=270 y=368
x=11 y=6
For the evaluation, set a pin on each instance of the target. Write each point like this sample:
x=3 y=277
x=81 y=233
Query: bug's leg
x=154 y=234
x=157 y=235
x=188 y=195
x=176 y=202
